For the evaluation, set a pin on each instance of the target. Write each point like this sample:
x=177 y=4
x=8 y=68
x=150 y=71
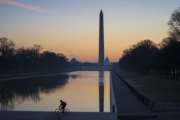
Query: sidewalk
x=126 y=100
x=53 y=116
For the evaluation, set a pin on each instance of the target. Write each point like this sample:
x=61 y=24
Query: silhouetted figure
x=62 y=105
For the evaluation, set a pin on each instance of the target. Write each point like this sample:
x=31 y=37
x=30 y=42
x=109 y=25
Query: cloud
x=23 y=5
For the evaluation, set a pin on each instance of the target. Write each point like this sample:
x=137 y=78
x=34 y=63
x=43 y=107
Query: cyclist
x=62 y=105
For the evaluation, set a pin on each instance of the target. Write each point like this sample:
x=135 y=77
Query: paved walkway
x=130 y=107
x=126 y=101
x=15 y=115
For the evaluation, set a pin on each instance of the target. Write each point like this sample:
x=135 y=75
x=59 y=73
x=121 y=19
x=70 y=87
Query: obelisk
x=101 y=62
x=101 y=39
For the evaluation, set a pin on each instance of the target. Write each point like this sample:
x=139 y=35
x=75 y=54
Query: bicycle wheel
x=58 y=114
x=67 y=110
x=56 y=110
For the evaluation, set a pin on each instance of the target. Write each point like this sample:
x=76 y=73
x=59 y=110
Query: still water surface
x=79 y=89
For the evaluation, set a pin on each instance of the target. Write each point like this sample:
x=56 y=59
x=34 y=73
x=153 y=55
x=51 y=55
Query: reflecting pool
x=79 y=89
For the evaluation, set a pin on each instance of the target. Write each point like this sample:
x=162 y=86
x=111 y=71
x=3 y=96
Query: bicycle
x=59 y=112
x=59 y=109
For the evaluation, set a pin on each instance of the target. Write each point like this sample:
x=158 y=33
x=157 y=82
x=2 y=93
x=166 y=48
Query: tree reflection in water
x=20 y=90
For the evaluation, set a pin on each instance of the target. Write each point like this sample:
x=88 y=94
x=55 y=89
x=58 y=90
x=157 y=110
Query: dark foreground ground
x=20 y=115
x=15 y=115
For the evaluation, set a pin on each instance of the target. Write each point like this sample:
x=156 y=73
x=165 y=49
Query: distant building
x=106 y=61
x=74 y=61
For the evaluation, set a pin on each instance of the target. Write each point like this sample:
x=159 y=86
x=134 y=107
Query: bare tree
x=174 y=24
x=6 y=47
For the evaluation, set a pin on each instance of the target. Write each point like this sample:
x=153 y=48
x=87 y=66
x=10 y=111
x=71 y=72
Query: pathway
x=15 y=115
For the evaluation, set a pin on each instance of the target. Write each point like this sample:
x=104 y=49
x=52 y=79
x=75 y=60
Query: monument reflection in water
x=101 y=91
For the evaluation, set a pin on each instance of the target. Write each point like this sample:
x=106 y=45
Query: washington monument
x=101 y=62
x=101 y=39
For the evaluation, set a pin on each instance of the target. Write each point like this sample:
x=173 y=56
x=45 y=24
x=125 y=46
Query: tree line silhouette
x=146 y=56
x=21 y=60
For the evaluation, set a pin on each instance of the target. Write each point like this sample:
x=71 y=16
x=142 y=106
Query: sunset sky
x=71 y=26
